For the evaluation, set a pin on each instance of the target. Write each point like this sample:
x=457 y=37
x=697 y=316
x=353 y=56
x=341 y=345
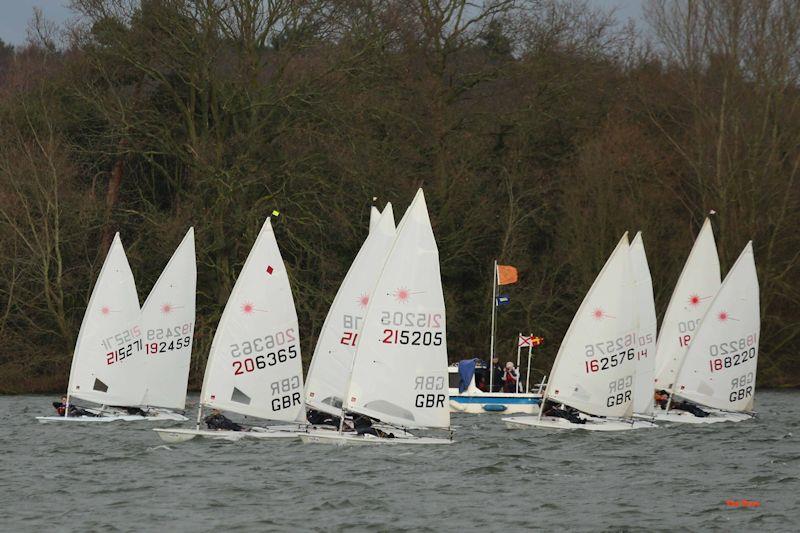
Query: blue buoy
x=494 y=407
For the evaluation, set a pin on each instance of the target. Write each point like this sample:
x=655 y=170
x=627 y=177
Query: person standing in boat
x=510 y=378
x=217 y=421
x=498 y=374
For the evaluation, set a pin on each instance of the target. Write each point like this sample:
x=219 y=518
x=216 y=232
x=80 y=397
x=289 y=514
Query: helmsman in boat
x=74 y=411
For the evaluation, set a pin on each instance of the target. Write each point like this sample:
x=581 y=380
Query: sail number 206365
x=261 y=352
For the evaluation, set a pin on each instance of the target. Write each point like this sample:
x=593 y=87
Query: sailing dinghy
x=696 y=288
x=399 y=369
x=646 y=326
x=697 y=285
x=329 y=372
x=254 y=367
x=596 y=363
x=106 y=365
x=719 y=369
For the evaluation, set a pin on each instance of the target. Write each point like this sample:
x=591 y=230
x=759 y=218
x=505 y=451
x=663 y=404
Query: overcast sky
x=15 y=14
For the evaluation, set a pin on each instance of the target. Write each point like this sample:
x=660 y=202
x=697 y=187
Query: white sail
x=374 y=217
x=720 y=367
x=595 y=364
x=646 y=324
x=696 y=287
x=399 y=371
x=254 y=367
x=329 y=373
x=103 y=365
x=168 y=317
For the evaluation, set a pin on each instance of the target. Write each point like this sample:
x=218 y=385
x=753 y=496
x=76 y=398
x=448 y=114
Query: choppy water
x=122 y=478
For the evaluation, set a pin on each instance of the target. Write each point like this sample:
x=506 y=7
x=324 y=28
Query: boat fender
x=494 y=408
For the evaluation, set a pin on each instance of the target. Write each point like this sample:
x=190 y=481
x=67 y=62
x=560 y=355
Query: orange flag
x=506 y=274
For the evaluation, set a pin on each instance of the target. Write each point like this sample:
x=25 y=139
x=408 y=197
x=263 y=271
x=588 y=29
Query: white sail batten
x=168 y=317
x=646 y=326
x=254 y=367
x=697 y=285
x=595 y=365
x=103 y=365
x=719 y=370
x=399 y=373
x=329 y=372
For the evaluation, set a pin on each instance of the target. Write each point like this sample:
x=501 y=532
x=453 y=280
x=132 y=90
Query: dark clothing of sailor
x=221 y=422
x=689 y=407
x=363 y=425
x=320 y=418
x=568 y=413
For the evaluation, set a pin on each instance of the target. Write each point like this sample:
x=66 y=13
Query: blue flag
x=503 y=299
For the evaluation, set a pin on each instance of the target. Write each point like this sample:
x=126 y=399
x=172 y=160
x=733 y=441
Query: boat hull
x=352 y=439
x=684 y=417
x=592 y=424
x=157 y=415
x=505 y=403
x=177 y=435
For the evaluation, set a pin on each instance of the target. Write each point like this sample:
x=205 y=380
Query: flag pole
x=519 y=350
x=528 y=376
x=494 y=311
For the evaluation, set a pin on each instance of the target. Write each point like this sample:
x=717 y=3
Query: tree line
x=540 y=130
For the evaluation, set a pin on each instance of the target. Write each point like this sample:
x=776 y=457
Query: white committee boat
x=254 y=367
x=109 y=365
x=399 y=370
x=595 y=367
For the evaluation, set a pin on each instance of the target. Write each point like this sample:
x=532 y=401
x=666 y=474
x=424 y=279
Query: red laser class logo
x=363 y=300
x=724 y=316
x=106 y=310
x=402 y=295
x=599 y=314
x=695 y=300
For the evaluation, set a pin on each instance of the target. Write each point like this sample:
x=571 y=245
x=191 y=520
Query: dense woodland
x=540 y=130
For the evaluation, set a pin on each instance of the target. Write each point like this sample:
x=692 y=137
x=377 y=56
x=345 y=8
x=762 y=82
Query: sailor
x=689 y=407
x=61 y=408
x=568 y=413
x=510 y=378
x=363 y=426
x=130 y=410
x=320 y=418
x=661 y=398
x=498 y=373
x=216 y=420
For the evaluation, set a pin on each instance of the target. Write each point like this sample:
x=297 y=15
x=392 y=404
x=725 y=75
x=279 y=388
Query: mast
x=530 y=353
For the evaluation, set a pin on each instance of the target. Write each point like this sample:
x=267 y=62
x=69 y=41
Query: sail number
x=126 y=351
x=414 y=338
x=731 y=361
x=122 y=337
x=411 y=320
x=258 y=344
x=152 y=348
x=610 y=346
x=260 y=362
x=731 y=347
x=612 y=361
